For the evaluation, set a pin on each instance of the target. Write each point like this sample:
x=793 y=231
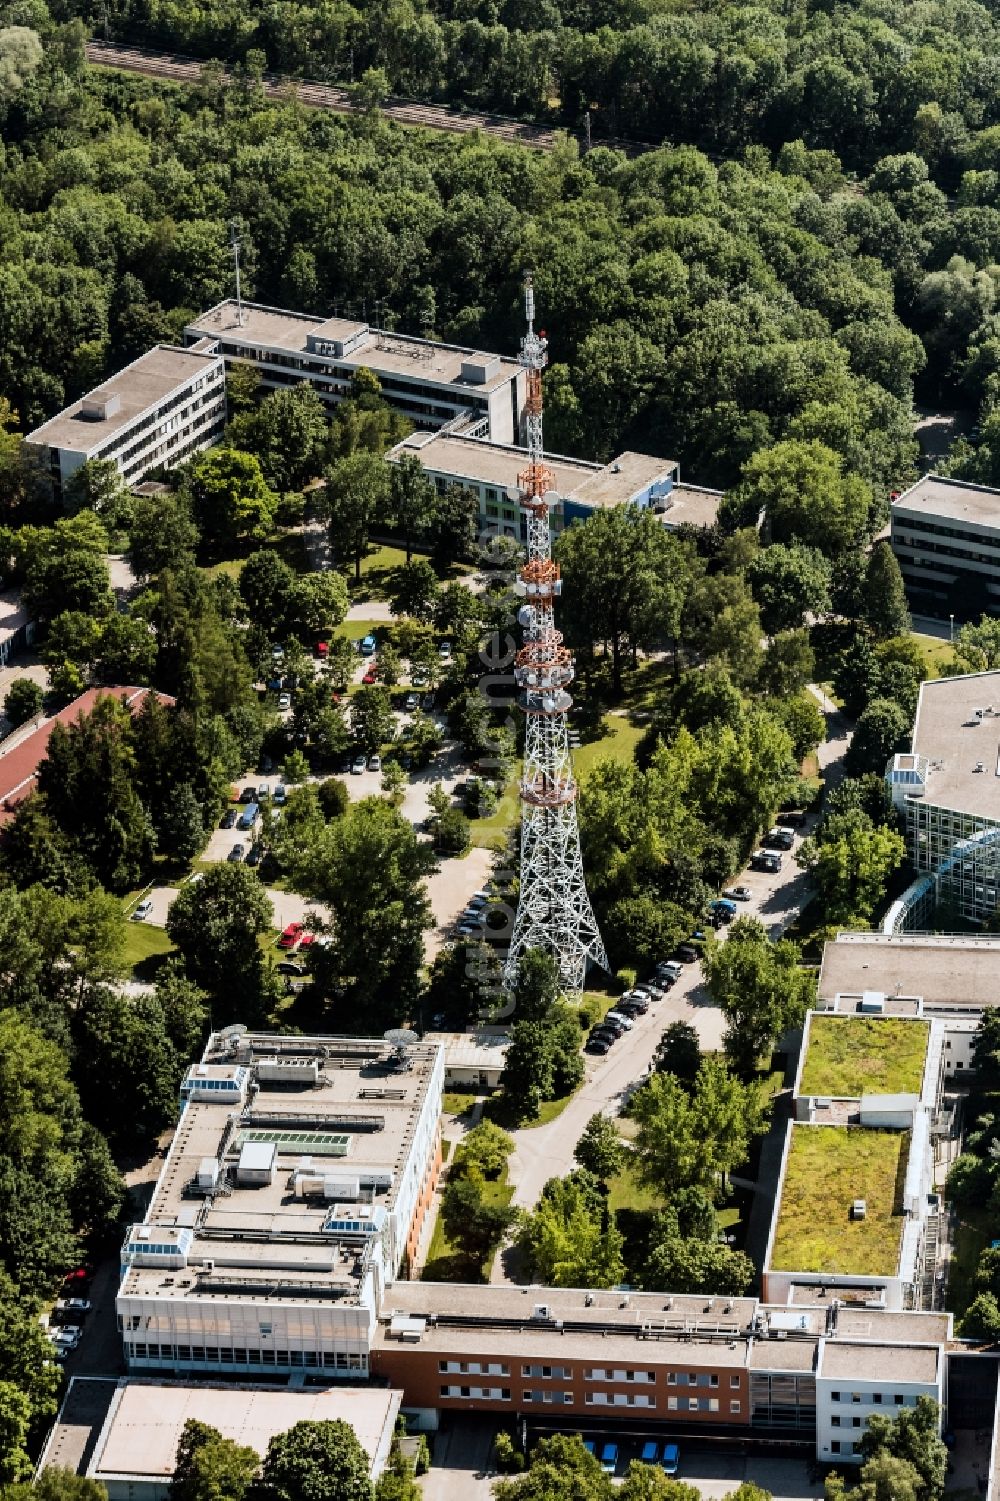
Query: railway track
x=175 y=68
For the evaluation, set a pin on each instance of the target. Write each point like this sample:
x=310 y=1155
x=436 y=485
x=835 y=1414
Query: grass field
x=850 y=1056
x=935 y=652
x=971 y=1239
x=828 y=1168
x=145 y=948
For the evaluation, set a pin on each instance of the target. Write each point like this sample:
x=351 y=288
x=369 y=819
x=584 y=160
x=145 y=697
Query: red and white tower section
x=554 y=911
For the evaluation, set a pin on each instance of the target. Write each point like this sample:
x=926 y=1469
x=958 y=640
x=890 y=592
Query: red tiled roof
x=19 y=767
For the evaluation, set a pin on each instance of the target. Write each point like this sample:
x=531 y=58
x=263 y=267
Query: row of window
x=936 y=529
x=397 y=384
x=329 y=1359
x=137 y=433
x=552 y=1398
x=877 y=1398
x=590 y=1373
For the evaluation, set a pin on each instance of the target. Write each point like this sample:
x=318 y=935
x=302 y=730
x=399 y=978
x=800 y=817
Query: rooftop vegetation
x=849 y=1056
x=828 y=1168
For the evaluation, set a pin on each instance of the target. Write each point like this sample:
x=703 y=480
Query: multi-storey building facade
x=432 y=384
x=295 y=1188
x=490 y=470
x=947 y=787
x=154 y=413
x=650 y=1361
x=946 y=536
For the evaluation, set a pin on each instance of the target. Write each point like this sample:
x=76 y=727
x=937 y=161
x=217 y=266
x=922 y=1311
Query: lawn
x=828 y=1168
x=444 y=1263
x=617 y=743
x=971 y=1239
x=935 y=652
x=627 y=1191
x=849 y=1056
x=145 y=948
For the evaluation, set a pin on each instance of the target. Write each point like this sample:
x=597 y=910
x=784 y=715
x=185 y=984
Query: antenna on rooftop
x=400 y=1039
x=234 y=245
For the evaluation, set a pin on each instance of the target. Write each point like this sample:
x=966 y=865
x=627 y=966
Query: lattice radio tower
x=554 y=911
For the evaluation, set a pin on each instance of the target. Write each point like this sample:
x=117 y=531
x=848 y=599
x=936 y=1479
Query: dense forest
x=702 y=309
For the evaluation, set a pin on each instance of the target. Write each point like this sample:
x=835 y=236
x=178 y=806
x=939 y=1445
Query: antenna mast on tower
x=554 y=911
x=234 y=245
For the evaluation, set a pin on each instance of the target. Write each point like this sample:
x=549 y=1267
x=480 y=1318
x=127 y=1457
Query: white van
x=143 y=910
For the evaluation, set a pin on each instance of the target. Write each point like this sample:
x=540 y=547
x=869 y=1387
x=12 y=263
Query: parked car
x=650 y=1454
x=142 y=910
x=778 y=839
x=65 y=1339
x=374 y=763
x=289 y=967
x=371 y=676
x=738 y=893
x=619 y=1016
x=256 y=854
x=322 y=650
x=671 y=1459
x=687 y=953
x=280 y=795
x=444 y=651
x=235 y=854
x=284 y=702
x=248 y=795
x=590 y=1446
x=793 y=818
x=358 y=765
x=768 y=860
x=229 y=819
x=367 y=646
x=609 y=1458
x=411 y=703
x=421 y=677
x=249 y=816
x=290 y=935
x=428 y=703
x=723 y=908
x=71 y=1310
x=599 y=1046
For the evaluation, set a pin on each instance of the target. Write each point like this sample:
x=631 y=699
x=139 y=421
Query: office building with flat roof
x=294 y=1190
x=945 y=534
x=430 y=383
x=490 y=469
x=947 y=786
x=136 y=1450
x=165 y=406
x=673 y=1365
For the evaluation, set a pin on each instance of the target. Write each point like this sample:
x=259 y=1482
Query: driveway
x=449 y=889
x=462 y=1451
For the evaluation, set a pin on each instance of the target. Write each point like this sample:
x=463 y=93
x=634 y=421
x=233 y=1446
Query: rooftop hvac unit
x=208 y=1172
x=540 y=1311
x=859 y=1209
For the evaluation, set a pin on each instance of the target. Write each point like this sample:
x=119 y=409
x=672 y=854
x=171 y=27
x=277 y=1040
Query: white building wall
x=413 y=1173
x=224 y=1333
x=845 y=1405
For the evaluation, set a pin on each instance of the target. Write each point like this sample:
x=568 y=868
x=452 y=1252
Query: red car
x=290 y=935
x=371 y=676
x=306 y=940
x=322 y=648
